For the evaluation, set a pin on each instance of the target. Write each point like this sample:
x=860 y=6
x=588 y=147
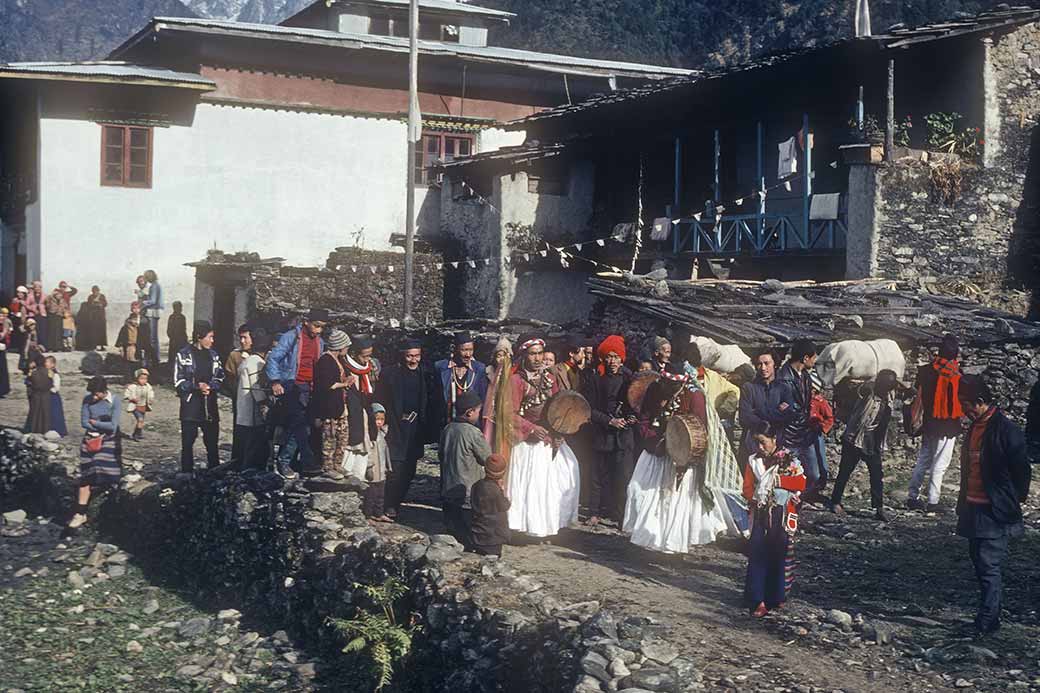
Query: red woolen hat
x=614 y=343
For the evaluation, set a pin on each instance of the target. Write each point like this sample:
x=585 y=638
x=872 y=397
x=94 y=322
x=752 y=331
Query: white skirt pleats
x=663 y=517
x=542 y=488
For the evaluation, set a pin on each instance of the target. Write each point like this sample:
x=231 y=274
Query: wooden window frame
x=125 y=182
x=420 y=175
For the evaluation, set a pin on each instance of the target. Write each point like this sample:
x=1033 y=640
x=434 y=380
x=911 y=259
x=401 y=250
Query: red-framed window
x=126 y=156
x=443 y=146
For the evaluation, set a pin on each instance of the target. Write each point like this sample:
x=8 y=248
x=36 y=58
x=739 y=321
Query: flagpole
x=414 y=135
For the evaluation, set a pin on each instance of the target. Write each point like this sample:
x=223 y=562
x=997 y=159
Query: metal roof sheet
x=103 y=71
x=894 y=37
x=444 y=6
x=529 y=59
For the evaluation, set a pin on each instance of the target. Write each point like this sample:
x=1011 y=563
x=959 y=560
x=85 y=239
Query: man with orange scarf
x=938 y=384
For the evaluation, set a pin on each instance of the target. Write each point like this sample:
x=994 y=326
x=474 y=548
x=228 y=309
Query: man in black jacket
x=612 y=435
x=995 y=479
x=408 y=392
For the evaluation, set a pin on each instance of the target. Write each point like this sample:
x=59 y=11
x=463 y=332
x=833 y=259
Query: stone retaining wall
x=298 y=554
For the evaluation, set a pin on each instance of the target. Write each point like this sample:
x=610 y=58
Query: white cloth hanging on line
x=787 y=163
x=662 y=229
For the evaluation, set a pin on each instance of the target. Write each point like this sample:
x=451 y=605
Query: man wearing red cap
x=613 y=438
x=543 y=471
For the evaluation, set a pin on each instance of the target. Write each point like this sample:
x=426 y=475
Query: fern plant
x=375 y=633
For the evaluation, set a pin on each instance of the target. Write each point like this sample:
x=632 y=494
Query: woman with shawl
x=91 y=331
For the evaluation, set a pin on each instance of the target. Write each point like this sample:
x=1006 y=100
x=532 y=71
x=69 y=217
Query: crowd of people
x=315 y=401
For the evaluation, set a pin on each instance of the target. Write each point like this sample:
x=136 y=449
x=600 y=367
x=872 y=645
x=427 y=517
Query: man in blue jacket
x=461 y=373
x=290 y=369
x=995 y=478
x=765 y=400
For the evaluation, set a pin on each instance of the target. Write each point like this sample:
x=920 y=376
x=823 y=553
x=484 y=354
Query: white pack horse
x=859 y=360
x=722 y=358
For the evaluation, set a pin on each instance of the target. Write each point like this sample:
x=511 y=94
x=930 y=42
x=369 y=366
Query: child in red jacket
x=773 y=481
x=821 y=421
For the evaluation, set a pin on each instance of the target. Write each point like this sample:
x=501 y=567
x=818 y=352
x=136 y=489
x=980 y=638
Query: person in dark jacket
x=361 y=420
x=329 y=403
x=197 y=376
x=995 y=478
x=408 y=392
x=797 y=435
x=38 y=384
x=864 y=439
x=937 y=384
x=764 y=400
x=461 y=373
x=489 y=526
x=612 y=437
x=176 y=331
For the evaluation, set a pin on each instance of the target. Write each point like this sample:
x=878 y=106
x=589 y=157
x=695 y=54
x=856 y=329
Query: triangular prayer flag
x=697 y=216
x=390 y=268
x=440 y=265
x=527 y=257
x=543 y=253
x=740 y=201
x=579 y=245
x=472 y=264
x=353 y=268
x=455 y=265
x=373 y=268
x=600 y=242
x=487 y=262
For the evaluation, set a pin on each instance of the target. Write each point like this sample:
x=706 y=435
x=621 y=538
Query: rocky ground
x=877 y=606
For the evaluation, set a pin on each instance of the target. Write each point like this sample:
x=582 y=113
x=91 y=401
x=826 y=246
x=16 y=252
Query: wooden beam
x=890 y=112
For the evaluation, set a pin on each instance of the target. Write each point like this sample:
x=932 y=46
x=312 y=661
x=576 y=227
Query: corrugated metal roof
x=445 y=6
x=895 y=37
x=529 y=59
x=519 y=154
x=105 y=71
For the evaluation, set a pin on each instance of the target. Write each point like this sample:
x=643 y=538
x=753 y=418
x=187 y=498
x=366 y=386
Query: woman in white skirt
x=665 y=511
x=543 y=471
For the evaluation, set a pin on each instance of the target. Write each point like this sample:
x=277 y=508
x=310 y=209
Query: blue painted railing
x=752 y=234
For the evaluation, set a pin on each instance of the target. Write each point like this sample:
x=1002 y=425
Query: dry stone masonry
x=299 y=553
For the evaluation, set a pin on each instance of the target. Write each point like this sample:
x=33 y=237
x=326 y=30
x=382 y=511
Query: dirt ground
x=909 y=577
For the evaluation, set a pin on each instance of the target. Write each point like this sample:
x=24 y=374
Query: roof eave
x=108 y=79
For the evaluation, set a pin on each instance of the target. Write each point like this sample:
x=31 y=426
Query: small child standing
x=378 y=468
x=821 y=421
x=490 y=524
x=57 y=420
x=139 y=399
x=772 y=483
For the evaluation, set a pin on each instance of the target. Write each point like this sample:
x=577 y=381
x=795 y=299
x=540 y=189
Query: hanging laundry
x=788 y=158
x=662 y=229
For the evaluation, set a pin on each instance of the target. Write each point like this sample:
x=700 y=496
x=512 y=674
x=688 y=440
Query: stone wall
x=300 y=554
x=995 y=217
x=347 y=285
x=516 y=220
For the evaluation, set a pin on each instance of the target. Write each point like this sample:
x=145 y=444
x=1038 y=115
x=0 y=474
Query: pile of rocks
x=31 y=472
x=299 y=552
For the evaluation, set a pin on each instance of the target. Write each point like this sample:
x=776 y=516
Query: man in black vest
x=995 y=478
x=407 y=391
